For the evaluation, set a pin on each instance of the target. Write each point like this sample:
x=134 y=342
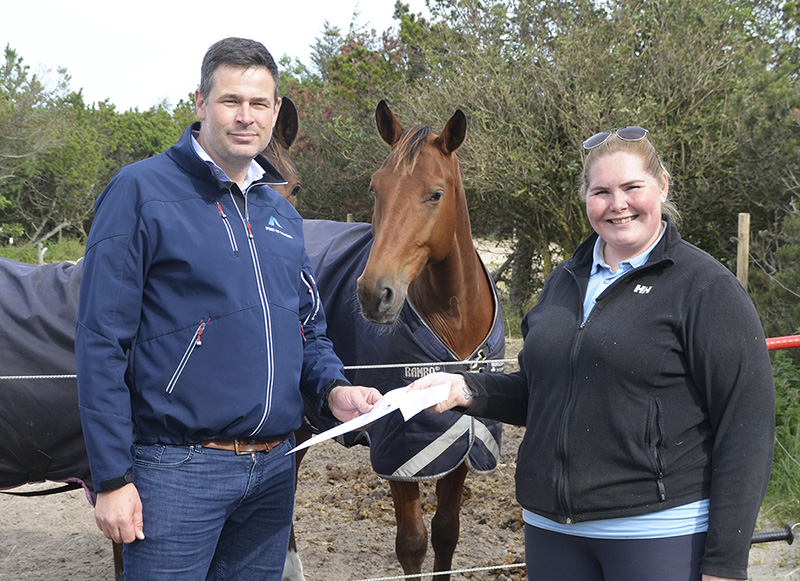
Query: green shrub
x=783 y=495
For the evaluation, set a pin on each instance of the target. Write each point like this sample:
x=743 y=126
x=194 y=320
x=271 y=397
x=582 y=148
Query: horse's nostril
x=387 y=298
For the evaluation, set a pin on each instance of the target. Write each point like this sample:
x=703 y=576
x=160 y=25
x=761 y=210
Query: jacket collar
x=184 y=155
x=581 y=261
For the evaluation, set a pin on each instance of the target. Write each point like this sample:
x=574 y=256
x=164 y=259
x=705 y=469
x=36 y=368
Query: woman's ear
x=664 y=187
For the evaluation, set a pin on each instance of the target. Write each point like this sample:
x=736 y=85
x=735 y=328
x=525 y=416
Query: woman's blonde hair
x=642 y=148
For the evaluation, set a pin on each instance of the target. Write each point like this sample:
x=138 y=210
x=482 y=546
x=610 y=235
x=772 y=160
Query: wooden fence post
x=743 y=252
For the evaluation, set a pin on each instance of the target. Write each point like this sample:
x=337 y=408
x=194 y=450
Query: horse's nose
x=378 y=302
x=385 y=299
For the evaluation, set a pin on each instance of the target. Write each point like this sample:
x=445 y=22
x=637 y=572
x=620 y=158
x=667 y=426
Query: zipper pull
x=662 y=491
x=200 y=330
x=249 y=230
x=221 y=212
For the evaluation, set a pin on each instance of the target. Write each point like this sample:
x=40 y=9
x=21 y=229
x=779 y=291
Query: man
x=199 y=338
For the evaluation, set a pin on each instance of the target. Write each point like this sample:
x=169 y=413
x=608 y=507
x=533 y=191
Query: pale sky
x=137 y=54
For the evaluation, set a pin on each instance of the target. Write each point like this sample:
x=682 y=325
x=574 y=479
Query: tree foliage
x=539 y=77
x=57 y=153
x=28 y=130
x=715 y=82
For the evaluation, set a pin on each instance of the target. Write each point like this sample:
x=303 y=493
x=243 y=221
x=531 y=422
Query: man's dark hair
x=236 y=52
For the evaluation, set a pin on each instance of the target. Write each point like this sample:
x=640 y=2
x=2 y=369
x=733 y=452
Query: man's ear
x=199 y=105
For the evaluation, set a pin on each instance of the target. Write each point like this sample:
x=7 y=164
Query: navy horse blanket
x=429 y=445
x=40 y=430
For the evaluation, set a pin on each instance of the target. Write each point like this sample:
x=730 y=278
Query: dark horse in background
x=425 y=297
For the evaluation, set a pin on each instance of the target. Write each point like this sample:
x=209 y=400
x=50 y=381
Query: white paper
x=409 y=404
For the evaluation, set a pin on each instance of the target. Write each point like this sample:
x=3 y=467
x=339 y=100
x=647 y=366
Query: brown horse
x=277 y=152
x=415 y=272
x=423 y=252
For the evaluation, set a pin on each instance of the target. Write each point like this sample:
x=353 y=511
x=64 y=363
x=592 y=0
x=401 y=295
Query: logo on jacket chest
x=642 y=289
x=274 y=226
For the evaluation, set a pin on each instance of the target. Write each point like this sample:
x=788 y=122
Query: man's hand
x=460 y=395
x=350 y=401
x=118 y=514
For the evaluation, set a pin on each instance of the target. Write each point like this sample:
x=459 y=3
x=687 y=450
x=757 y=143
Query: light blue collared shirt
x=601 y=276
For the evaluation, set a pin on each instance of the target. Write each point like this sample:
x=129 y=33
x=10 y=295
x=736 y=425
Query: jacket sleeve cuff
x=115 y=483
x=325 y=409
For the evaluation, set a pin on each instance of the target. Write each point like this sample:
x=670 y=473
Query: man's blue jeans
x=210 y=514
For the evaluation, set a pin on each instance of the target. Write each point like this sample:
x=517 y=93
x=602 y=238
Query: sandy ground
x=345 y=527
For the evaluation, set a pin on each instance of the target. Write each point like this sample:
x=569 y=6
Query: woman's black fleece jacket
x=663 y=397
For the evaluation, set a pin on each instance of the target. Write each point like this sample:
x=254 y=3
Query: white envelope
x=409 y=404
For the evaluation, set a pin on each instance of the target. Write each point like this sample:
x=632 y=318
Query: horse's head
x=277 y=152
x=419 y=203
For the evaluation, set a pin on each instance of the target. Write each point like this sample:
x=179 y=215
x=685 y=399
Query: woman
x=646 y=390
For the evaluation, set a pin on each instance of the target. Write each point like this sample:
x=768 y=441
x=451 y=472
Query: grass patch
x=65 y=249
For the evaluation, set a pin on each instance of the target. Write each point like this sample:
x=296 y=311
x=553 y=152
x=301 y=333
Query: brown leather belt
x=242 y=447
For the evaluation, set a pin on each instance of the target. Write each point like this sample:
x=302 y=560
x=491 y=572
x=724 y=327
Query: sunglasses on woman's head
x=632 y=133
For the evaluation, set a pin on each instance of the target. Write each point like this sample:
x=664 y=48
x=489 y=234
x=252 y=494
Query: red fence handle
x=790 y=342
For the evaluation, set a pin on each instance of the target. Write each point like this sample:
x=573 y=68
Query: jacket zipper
x=309 y=281
x=228 y=228
x=657 y=457
x=263 y=299
x=196 y=341
x=563 y=487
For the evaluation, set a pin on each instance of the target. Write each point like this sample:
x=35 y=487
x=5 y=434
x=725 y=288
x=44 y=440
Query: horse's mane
x=279 y=157
x=407 y=148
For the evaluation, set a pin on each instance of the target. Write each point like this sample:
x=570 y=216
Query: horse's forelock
x=407 y=148
x=278 y=156
x=276 y=153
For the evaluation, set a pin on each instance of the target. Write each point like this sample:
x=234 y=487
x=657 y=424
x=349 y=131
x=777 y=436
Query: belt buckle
x=236 y=449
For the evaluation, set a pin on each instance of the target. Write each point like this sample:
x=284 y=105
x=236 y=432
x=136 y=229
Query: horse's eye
x=436 y=196
x=296 y=190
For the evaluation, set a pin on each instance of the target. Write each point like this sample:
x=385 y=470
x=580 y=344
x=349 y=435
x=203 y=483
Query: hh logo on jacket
x=642 y=290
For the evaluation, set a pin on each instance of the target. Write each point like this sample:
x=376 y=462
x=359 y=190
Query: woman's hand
x=460 y=395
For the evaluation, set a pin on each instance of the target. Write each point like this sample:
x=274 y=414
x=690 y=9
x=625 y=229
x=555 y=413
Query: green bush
x=783 y=495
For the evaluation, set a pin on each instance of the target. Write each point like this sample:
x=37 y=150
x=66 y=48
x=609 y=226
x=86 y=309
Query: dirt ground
x=344 y=521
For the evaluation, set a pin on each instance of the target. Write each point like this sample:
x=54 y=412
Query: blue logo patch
x=274 y=226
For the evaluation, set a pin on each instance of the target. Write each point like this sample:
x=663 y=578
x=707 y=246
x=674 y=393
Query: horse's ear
x=285 y=130
x=453 y=134
x=388 y=125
